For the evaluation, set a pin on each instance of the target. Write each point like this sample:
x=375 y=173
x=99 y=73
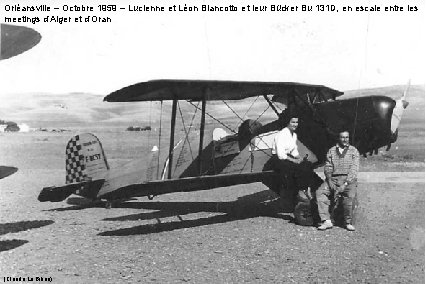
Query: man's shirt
x=345 y=163
x=285 y=144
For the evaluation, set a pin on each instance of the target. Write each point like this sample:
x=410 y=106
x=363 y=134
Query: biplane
x=226 y=156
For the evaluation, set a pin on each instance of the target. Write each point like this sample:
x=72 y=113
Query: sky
x=342 y=50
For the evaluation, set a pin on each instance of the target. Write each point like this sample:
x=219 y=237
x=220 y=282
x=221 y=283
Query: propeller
x=398 y=111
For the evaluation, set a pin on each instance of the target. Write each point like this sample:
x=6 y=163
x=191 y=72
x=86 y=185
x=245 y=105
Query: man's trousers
x=325 y=194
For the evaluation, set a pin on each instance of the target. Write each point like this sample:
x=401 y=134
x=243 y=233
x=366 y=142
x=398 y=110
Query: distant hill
x=416 y=93
x=74 y=109
x=84 y=109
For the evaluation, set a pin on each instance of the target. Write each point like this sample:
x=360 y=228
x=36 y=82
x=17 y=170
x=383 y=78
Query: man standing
x=341 y=170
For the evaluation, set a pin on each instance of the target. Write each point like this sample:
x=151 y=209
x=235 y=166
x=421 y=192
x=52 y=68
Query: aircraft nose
x=379 y=132
x=384 y=107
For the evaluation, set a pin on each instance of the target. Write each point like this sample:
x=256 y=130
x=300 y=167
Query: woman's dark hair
x=286 y=116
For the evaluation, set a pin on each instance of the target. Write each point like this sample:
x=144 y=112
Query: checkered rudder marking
x=75 y=167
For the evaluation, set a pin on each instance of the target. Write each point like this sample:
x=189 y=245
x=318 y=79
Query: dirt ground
x=226 y=235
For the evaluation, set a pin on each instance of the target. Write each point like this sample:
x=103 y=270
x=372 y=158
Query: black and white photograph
x=207 y=141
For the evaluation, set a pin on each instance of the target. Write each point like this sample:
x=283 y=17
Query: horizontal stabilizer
x=88 y=189
x=56 y=194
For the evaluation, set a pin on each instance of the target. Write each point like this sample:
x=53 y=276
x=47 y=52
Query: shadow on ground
x=6 y=171
x=11 y=244
x=14 y=227
x=79 y=203
x=261 y=204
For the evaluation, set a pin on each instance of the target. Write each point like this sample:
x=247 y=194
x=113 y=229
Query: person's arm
x=283 y=146
x=295 y=152
x=280 y=146
x=294 y=160
x=328 y=169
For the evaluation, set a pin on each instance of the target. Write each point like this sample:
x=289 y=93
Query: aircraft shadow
x=6 y=171
x=261 y=204
x=79 y=203
x=15 y=227
x=11 y=244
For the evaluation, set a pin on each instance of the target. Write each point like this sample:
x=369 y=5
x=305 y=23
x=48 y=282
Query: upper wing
x=197 y=90
x=16 y=39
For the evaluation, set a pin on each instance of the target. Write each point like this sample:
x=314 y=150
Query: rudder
x=85 y=159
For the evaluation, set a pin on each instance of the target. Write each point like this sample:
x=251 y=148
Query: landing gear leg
x=108 y=204
x=287 y=195
x=303 y=214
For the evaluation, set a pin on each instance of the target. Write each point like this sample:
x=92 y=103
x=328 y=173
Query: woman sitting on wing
x=287 y=161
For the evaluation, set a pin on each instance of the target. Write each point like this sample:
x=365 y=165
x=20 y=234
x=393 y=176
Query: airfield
x=226 y=235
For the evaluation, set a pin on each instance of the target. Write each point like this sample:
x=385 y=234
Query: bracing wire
x=227 y=127
x=240 y=118
x=233 y=111
x=159 y=139
x=187 y=131
x=150 y=122
x=260 y=115
x=215 y=119
x=360 y=75
x=250 y=107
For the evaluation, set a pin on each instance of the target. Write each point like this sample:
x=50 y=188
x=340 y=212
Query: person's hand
x=332 y=183
x=335 y=180
x=341 y=188
x=294 y=160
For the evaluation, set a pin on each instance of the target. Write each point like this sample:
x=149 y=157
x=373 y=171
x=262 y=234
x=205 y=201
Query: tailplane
x=86 y=169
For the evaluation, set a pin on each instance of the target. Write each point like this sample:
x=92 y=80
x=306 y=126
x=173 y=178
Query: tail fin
x=85 y=159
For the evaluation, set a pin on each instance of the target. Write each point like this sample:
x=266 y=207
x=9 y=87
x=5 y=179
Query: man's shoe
x=349 y=227
x=326 y=225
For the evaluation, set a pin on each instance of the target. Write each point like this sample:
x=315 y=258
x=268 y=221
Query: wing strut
x=203 y=121
x=172 y=138
x=159 y=141
x=271 y=105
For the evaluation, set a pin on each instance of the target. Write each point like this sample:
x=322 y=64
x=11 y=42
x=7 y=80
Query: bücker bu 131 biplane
x=228 y=156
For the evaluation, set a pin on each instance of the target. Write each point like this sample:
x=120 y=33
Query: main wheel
x=303 y=214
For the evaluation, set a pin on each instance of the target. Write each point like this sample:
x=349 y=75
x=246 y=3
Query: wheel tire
x=303 y=214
